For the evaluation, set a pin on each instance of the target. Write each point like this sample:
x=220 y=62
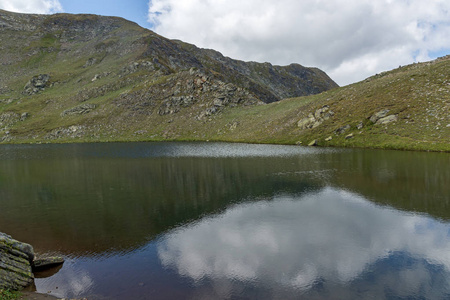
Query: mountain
x=57 y=66
x=83 y=78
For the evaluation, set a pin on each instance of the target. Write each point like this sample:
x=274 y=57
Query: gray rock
x=47 y=262
x=137 y=66
x=90 y=62
x=306 y=122
x=349 y=136
x=376 y=116
x=100 y=76
x=387 y=119
x=24 y=116
x=233 y=125
x=342 y=129
x=322 y=113
x=96 y=77
x=316 y=119
x=360 y=125
x=218 y=102
x=79 y=110
x=9 y=118
x=174 y=104
x=74 y=131
x=15 y=263
x=36 y=84
x=313 y=143
x=212 y=110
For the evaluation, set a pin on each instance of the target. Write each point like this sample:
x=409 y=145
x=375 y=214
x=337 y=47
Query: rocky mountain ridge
x=108 y=68
x=86 y=78
x=99 y=37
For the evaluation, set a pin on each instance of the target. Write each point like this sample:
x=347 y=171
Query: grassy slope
x=419 y=94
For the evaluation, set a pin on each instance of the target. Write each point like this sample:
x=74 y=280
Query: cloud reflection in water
x=70 y=282
x=325 y=240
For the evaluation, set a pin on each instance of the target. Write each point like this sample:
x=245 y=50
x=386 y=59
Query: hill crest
x=81 y=78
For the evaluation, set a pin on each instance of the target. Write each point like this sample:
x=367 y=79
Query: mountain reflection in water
x=212 y=220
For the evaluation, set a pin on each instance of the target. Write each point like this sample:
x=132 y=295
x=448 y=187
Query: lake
x=231 y=221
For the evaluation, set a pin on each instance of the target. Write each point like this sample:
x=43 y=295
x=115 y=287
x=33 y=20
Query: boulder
x=15 y=263
x=342 y=129
x=24 y=116
x=307 y=122
x=47 y=262
x=313 y=143
x=376 y=116
x=387 y=119
x=90 y=62
x=100 y=76
x=313 y=120
x=79 y=110
x=36 y=84
x=322 y=113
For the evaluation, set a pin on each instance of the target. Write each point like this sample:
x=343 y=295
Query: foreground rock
x=15 y=263
x=47 y=262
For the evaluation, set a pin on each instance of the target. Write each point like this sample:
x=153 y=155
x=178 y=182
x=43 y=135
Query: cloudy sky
x=348 y=39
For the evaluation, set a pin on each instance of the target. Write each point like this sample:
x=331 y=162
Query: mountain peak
x=97 y=68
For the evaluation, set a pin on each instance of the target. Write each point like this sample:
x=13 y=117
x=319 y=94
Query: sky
x=348 y=39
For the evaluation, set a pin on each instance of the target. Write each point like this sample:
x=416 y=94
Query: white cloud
x=349 y=39
x=31 y=6
x=331 y=235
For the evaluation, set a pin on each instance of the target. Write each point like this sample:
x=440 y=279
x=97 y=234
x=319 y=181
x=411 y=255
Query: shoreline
x=357 y=146
x=25 y=295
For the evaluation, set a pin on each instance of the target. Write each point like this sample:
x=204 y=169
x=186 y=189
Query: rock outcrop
x=378 y=115
x=16 y=259
x=342 y=129
x=382 y=117
x=9 y=118
x=79 y=110
x=36 y=84
x=18 y=262
x=47 y=262
x=98 y=39
x=314 y=120
x=387 y=119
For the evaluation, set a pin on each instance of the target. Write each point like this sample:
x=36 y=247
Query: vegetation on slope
x=417 y=95
x=106 y=79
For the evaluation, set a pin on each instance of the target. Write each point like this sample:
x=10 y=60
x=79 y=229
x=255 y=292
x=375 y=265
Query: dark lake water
x=231 y=221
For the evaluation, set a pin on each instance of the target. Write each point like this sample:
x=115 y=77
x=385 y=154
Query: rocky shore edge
x=18 y=263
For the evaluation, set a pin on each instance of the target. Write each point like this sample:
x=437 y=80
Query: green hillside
x=84 y=78
x=415 y=100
